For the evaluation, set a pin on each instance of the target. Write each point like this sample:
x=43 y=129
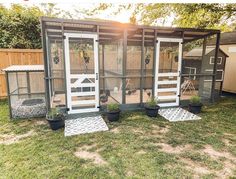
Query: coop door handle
x=96 y=76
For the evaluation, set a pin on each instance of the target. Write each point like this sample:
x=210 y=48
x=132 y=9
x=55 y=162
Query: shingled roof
x=225 y=38
x=197 y=52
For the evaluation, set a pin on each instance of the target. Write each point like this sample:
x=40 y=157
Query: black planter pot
x=56 y=123
x=113 y=115
x=152 y=111
x=195 y=108
x=62 y=108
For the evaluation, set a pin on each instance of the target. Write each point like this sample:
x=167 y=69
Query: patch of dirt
x=137 y=130
x=195 y=167
x=94 y=156
x=141 y=152
x=115 y=130
x=228 y=134
x=129 y=174
x=40 y=122
x=8 y=139
x=87 y=155
x=215 y=154
x=229 y=164
x=173 y=150
x=159 y=130
x=227 y=170
x=226 y=142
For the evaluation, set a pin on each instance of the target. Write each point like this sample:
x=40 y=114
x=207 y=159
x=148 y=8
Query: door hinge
x=64 y=37
x=67 y=109
x=97 y=40
x=96 y=76
x=179 y=73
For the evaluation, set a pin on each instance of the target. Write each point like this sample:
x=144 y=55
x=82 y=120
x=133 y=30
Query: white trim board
x=80 y=77
x=212 y=60
x=158 y=82
x=222 y=75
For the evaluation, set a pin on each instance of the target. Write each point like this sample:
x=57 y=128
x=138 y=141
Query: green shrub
x=55 y=113
x=113 y=107
x=152 y=102
x=195 y=100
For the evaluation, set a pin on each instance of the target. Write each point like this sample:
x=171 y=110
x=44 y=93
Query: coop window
x=191 y=71
x=219 y=60
x=219 y=75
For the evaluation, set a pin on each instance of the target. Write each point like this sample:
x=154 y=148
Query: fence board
x=10 y=57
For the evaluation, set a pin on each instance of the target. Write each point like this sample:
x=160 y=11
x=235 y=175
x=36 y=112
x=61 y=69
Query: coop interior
x=26 y=93
x=111 y=69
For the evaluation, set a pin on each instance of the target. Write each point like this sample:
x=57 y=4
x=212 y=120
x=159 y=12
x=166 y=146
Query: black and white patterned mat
x=83 y=125
x=177 y=114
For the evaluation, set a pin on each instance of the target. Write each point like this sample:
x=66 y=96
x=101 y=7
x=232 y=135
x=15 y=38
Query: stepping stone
x=83 y=125
x=177 y=114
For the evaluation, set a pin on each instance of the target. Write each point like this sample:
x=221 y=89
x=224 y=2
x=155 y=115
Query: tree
x=20 y=27
x=220 y=16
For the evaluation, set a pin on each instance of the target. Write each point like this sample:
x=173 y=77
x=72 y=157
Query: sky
x=122 y=17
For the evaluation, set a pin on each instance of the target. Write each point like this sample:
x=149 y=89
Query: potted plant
x=152 y=107
x=195 y=105
x=56 y=119
x=113 y=112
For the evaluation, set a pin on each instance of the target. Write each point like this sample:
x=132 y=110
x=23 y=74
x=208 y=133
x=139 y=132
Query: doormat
x=177 y=114
x=83 y=125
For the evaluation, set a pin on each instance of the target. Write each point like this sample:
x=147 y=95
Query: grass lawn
x=135 y=147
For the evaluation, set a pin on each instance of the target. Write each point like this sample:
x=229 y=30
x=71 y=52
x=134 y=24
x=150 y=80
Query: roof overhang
x=109 y=31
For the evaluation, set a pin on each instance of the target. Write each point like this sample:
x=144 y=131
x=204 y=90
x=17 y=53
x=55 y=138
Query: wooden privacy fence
x=10 y=57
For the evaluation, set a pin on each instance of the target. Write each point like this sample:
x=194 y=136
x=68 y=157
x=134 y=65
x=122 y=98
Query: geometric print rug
x=177 y=114
x=83 y=125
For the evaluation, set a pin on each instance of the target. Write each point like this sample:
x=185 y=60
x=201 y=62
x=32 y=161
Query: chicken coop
x=91 y=63
x=26 y=91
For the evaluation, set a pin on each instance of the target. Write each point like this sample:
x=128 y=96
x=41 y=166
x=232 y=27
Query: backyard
x=135 y=147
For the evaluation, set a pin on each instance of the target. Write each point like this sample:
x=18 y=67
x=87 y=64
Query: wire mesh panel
x=197 y=70
x=56 y=73
x=111 y=68
x=26 y=93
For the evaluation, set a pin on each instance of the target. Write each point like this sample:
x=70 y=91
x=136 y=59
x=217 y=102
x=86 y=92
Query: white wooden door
x=167 y=74
x=81 y=57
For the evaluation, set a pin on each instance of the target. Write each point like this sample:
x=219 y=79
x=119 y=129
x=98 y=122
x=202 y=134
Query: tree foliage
x=20 y=26
x=221 y=16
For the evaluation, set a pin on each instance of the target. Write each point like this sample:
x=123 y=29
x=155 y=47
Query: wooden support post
x=124 y=67
x=64 y=57
x=103 y=66
x=201 y=80
x=28 y=84
x=97 y=30
x=215 y=68
x=154 y=61
x=142 y=68
x=182 y=64
x=49 y=57
x=8 y=94
x=46 y=70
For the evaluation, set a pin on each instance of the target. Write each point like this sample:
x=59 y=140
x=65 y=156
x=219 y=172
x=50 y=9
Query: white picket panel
x=92 y=93
x=167 y=82
x=166 y=90
x=83 y=102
